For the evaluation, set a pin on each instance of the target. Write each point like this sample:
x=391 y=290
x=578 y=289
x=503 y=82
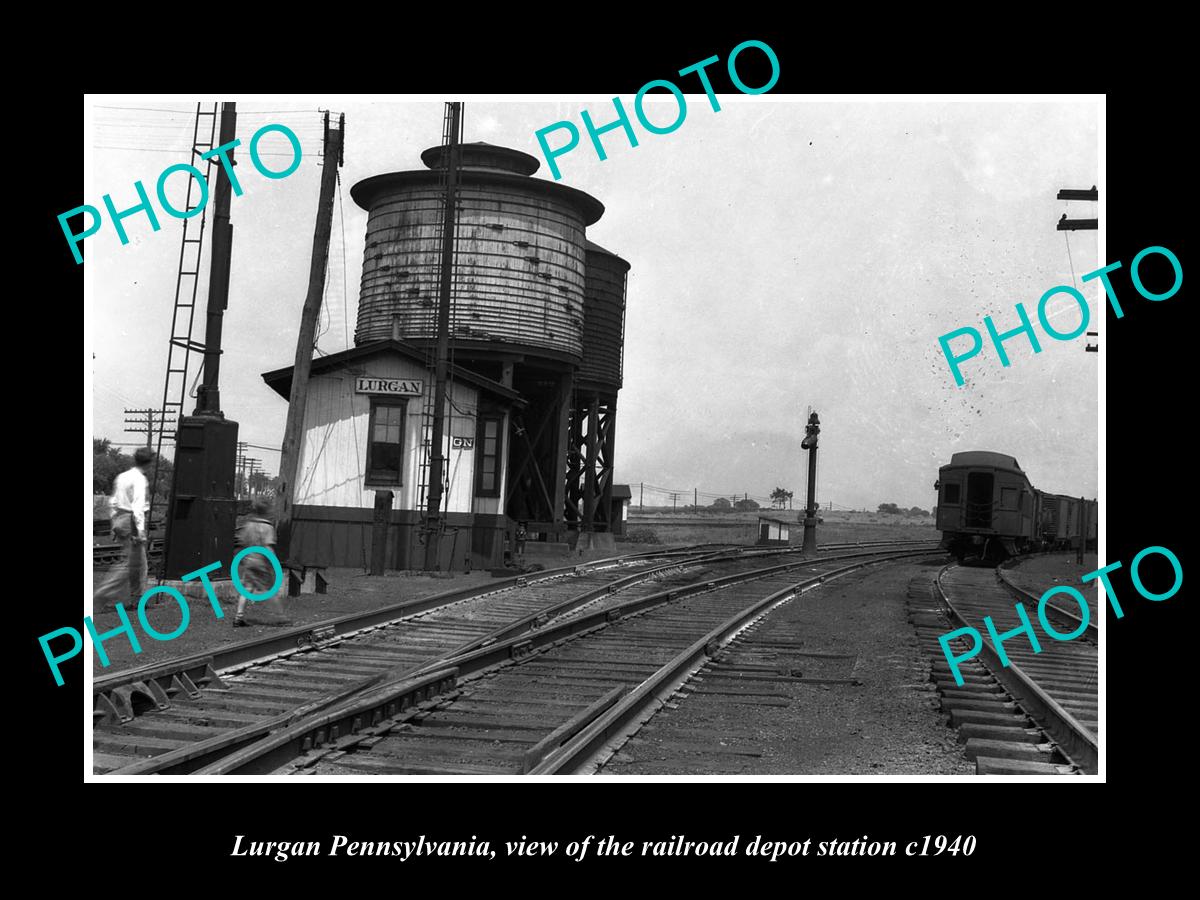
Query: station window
x=1008 y=497
x=385 y=449
x=950 y=492
x=489 y=445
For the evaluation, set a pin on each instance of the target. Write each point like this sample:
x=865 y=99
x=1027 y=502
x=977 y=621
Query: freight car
x=1064 y=521
x=987 y=507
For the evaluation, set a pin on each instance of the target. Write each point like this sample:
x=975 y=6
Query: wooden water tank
x=603 y=319
x=520 y=263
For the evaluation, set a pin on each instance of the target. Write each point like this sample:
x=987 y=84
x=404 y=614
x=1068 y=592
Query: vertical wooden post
x=293 y=430
x=1083 y=526
x=379 y=532
x=561 y=448
x=590 y=462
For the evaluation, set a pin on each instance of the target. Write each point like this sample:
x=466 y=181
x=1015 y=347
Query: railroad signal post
x=810 y=508
x=200 y=524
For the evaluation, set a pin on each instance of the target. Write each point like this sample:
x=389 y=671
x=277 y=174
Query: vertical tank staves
x=535 y=305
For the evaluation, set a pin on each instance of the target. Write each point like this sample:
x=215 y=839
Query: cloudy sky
x=785 y=255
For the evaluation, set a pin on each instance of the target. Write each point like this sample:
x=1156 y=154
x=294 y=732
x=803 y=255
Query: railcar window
x=950 y=492
x=1008 y=498
x=385 y=448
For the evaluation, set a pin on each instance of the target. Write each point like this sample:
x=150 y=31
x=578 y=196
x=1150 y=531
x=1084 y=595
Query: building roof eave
x=280 y=380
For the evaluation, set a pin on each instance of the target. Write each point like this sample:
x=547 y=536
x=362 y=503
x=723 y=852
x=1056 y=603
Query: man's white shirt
x=129 y=494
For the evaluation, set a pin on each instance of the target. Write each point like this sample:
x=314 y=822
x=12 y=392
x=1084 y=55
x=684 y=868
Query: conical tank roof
x=481 y=156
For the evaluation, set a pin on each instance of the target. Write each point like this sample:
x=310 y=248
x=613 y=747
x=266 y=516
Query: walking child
x=255 y=571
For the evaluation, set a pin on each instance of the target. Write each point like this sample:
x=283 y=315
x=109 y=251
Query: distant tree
x=780 y=498
x=108 y=462
x=746 y=505
x=721 y=504
x=917 y=511
x=891 y=508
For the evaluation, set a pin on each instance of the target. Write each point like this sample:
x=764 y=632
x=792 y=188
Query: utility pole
x=201 y=521
x=695 y=498
x=674 y=497
x=810 y=517
x=1083 y=530
x=240 y=469
x=1065 y=224
x=641 y=496
x=433 y=521
x=253 y=465
x=293 y=429
x=147 y=421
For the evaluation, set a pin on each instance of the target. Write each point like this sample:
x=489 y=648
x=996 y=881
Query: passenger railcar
x=988 y=507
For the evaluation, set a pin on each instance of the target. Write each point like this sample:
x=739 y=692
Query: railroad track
x=1038 y=715
x=178 y=717
x=104 y=555
x=1065 y=618
x=547 y=700
x=175 y=717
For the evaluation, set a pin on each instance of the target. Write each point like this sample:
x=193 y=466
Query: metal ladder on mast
x=427 y=408
x=187 y=281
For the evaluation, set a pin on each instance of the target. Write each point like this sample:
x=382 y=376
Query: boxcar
x=1065 y=522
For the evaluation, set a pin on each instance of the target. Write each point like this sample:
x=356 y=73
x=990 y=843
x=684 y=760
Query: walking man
x=128 y=505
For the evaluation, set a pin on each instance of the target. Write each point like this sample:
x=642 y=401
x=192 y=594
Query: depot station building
x=537 y=335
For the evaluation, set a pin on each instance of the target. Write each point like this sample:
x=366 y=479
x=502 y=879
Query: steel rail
x=298 y=737
x=1062 y=617
x=205 y=751
x=627 y=715
x=1075 y=741
x=188 y=672
x=199 y=667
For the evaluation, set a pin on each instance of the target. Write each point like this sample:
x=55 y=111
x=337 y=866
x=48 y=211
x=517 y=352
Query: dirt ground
x=695 y=530
x=1040 y=573
x=887 y=723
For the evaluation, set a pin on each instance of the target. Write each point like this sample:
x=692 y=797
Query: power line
x=178 y=152
x=188 y=112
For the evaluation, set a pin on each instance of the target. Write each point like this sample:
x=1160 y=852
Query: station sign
x=400 y=387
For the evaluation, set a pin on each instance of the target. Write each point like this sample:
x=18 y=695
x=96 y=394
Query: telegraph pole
x=433 y=521
x=810 y=517
x=149 y=425
x=1083 y=531
x=240 y=470
x=1065 y=224
x=293 y=429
